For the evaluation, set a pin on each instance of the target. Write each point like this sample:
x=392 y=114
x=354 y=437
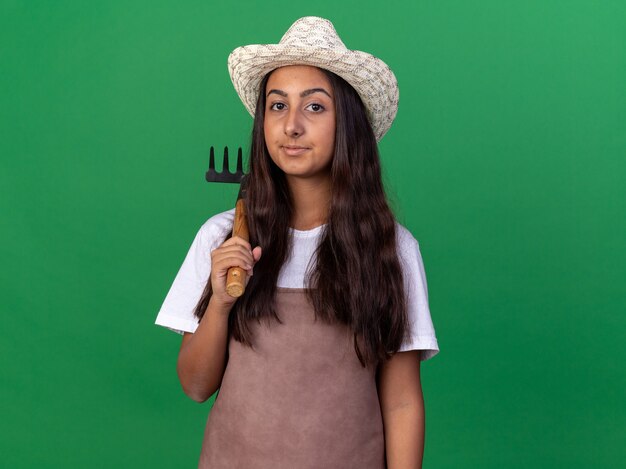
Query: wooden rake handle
x=236 y=278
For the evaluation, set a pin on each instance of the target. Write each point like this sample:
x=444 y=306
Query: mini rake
x=236 y=279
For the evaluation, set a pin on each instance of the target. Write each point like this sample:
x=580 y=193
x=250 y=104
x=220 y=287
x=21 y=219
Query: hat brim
x=369 y=76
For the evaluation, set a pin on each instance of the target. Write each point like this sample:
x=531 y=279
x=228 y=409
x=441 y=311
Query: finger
x=232 y=250
x=222 y=270
x=237 y=240
x=233 y=260
x=225 y=263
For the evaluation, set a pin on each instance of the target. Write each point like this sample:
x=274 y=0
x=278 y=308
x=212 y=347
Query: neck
x=310 y=199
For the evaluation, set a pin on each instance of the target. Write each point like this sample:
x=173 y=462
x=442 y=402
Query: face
x=299 y=122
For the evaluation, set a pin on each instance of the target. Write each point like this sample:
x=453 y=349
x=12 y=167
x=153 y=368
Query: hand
x=234 y=252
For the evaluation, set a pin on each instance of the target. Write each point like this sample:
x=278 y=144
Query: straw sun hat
x=314 y=41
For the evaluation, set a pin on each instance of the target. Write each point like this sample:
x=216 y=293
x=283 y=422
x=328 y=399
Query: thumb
x=256 y=253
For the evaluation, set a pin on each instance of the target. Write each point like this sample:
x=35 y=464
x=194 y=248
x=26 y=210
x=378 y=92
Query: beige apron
x=299 y=400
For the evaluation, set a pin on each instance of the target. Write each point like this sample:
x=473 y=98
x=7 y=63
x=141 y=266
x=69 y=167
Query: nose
x=293 y=123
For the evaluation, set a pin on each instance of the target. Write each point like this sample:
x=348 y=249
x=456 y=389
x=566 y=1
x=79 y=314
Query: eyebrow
x=303 y=94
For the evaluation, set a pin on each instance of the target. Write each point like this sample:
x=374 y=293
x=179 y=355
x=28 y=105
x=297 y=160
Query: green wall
x=506 y=161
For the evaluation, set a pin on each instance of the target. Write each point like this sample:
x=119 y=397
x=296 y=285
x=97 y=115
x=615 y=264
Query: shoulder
x=405 y=241
x=214 y=230
x=409 y=253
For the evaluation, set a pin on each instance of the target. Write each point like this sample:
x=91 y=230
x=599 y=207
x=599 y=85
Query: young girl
x=318 y=363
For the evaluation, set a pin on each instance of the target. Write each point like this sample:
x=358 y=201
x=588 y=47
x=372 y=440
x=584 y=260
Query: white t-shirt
x=177 y=310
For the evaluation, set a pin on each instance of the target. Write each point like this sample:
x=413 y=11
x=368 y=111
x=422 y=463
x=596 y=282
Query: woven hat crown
x=311 y=31
x=314 y=41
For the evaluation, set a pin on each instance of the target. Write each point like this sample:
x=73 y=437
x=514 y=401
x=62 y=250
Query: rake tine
x=239 y=162
x=212 y=160
x=225 y=166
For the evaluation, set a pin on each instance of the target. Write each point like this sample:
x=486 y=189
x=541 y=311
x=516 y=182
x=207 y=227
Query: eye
x=316 y=107
x=273 y=106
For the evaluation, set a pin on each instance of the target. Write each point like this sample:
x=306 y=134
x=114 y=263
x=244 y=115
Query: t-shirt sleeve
x=421 y=332
x=177 y=310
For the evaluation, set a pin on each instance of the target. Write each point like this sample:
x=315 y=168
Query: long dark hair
x=357 y=279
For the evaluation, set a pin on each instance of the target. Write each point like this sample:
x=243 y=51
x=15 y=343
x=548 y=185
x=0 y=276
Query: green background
x=506 y=161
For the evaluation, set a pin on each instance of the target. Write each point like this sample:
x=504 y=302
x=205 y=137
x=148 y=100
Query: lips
x=294 y=150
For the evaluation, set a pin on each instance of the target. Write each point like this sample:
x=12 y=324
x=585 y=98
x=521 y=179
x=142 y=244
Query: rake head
x=225 y=176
